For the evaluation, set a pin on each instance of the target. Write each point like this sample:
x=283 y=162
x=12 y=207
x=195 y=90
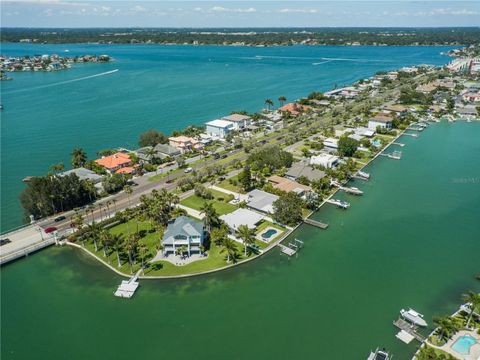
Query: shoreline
x=266 y=250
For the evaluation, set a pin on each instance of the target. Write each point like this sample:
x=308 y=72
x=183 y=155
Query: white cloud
x=308 y=11
x=45 y=2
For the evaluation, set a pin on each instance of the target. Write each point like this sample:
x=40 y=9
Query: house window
x=180 y=237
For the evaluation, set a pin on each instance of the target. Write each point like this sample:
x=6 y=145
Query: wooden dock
x=292 y=248
x=127 y=288
x=409 y=328
x=398 y=144
x=316 y=223
x=396 y=155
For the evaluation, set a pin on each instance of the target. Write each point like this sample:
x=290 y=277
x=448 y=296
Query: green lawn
x=216 y=259
x=226 y=184
x=148 y=237
x=220 y=202
x=195 y=202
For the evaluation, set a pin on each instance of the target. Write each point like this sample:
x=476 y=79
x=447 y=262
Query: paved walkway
x=177 y=260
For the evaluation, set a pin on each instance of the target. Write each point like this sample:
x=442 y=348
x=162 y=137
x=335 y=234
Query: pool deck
x=474 y=350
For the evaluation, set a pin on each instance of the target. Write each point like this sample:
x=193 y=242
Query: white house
x=241 y=217
x=331 y=143
x=184 y=231
x=239 y=121
x=380 y=120
x=325 y=160
x=219 y=128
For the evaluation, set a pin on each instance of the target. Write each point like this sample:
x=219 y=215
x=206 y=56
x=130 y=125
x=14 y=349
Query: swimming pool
x=269 y=233
x=463 y=344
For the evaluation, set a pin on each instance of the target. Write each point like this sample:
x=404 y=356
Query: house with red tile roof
x=293 y=108
x=115 y=162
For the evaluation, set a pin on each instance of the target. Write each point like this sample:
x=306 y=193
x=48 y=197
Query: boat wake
x=63 y=82
x=320 y=63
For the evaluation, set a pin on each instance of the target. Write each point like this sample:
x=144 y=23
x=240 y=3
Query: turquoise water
x=46 y=115
x=268 y=234
x=463 y=344
x=412 y=240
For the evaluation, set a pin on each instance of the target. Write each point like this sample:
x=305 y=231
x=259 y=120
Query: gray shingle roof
x=183 y=225
x=303 y=169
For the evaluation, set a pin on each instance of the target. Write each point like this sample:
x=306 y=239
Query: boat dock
x=316 y=223
x=398 y=144
x=350 y=190
x=292 y=248
x=338 y=203
x=408 y=332
x=412 y=135
x=396 y=155
x=127 y=288
x=415 y=128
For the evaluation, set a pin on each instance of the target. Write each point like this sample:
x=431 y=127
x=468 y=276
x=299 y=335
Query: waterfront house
x=293 y=109
x=165 y=150
x=427 y=88
x=114 y=162
x=288 y=185
x=471 y=97
x=239 y=121
x=302 y=169
x=382 y=120
x=240 y=217
x=84 y=174
x=326 y=160
x=183 y=231
x=261 y=201
x=185 y=143
x=219 y=128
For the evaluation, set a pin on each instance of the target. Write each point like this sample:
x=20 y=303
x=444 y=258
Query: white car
x=187 y=170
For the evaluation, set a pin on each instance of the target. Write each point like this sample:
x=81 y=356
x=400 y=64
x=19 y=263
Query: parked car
x=60 y=218
x=187 y=170
x=221 y=178
x=50 y=229
x=223 y=156
x=5 y=241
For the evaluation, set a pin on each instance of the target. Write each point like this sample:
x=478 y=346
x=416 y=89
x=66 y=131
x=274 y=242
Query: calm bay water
x=411 y=240
x=46 y=115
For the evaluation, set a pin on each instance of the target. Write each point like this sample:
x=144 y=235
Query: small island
x=45 y=62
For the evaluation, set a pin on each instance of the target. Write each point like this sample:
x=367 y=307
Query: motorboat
x=379 y=355
x=363 y=174
x=413 y=317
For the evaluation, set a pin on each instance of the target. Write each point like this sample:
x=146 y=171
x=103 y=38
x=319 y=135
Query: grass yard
x=220 y=202
x=215 y=260
x=226 y=184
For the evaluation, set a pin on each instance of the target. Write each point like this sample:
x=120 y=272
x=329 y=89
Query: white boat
x=339 y=203
x=414 y=317
x=363 y=174
x=379 y=355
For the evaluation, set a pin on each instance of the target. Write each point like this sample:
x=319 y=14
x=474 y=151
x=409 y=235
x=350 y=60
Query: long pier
x=409 y=328
x=316 y=223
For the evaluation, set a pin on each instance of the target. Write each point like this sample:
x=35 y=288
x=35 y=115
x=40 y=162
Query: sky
x=243 y=13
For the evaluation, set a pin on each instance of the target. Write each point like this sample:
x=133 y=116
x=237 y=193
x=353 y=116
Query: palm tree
x=116 y=241
x=105 y=241
x=218 y=234
x=181 y=250
x=93 y=231
x=228 y=246
x=211 y=216
x=128 y=190
x=474 y=300
x=90 y=188
x=131 y=247
x=269 y=103
x=58 y=167
x=282 y=100
x=152 y=154
x=143 y=250
x=247 y=235
x=79 y=157
x=445 y=327
x=115 y=205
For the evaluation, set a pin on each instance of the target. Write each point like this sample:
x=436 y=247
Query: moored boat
x=413 y=317
x=379 y=355
x=363 y=174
